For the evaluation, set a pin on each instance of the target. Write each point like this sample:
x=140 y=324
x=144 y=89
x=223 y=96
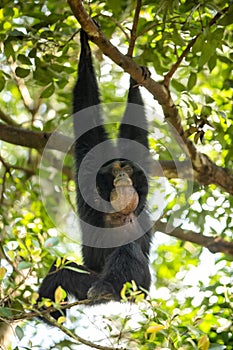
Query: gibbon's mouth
x=122 y=181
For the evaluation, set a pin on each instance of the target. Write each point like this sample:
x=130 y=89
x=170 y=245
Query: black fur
x=109 y=266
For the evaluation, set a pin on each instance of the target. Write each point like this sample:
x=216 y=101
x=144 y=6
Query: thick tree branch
x=33 y=139
x=38 y=140
x=215 y=245
x=172 y=169
x=207 y=173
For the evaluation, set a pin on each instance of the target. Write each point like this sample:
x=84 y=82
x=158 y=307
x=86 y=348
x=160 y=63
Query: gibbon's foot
x=145 y=75
x=145 y=72
x=101 y=289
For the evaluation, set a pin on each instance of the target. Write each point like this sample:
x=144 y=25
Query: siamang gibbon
x=112 y=186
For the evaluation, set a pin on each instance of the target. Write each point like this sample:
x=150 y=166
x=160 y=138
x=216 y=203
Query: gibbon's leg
x=126 y=263
x=73 y=282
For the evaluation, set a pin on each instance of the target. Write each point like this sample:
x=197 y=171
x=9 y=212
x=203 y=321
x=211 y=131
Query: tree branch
x=134 y=29
x=8 y=167
x=7 y=119
x=172 y=169
x=46 y=315
x=38 y=140
x=176 y=65
x=76 y=337
x=215 y=245
x=33 y=139
x=118 y=25
x=207 y=172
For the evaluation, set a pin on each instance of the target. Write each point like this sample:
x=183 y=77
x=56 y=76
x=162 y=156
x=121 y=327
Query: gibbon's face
x=121 y=183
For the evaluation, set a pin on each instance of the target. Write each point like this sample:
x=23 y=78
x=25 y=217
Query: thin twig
x=151 y=26
x=7 y=119
x=63 y=306
x=175 y=66
x=3 y=186
x=118 y=25
x=77 y=338
x=134 y=29
x=8 y=167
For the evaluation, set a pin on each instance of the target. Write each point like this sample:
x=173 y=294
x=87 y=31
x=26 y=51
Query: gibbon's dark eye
x=128 y=170
x=116 y=172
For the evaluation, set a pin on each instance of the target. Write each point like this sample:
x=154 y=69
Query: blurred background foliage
x=191 y=300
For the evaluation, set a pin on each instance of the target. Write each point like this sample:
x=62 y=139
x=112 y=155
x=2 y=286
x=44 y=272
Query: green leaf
x=116 y=6
x=206 y=110
x=57 y=67
x=61 y=83
x=178 y=86
x=24 y=59
x=178 y=40
x=207 y=51
x=19 y=332
x=5 y=312
x=212 y=62
x=51 y=242
x=24 y=265
x=42 y=75
x=208 y=99
x=22 y=72
x=227 y=19
x=8 y=11
x=48 y=91
x=218 y=34
x=2 y=83
x=17 y=33
x=192 y=80
x=32 y=53
x=8 y=49
x=61 y=320
x=197 y=45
